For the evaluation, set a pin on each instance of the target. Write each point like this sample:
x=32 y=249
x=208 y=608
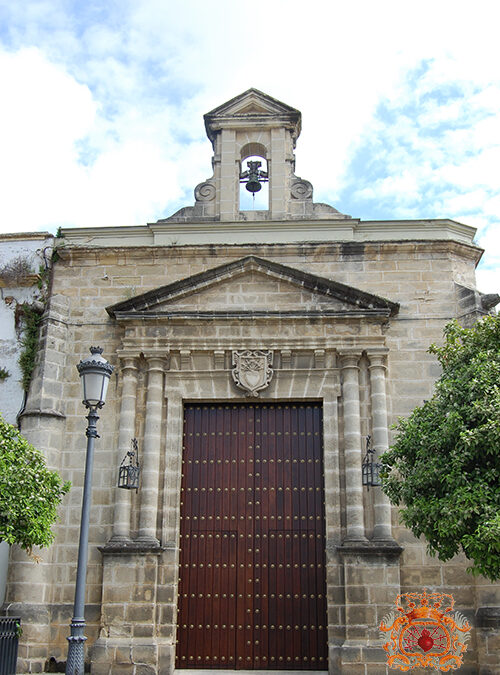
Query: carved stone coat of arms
x=252 y=369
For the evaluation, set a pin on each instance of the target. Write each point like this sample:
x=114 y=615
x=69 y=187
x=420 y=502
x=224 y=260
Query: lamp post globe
x=95 y=373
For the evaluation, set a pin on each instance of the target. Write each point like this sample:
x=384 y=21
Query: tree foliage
x=29 y=492
x=444 y=466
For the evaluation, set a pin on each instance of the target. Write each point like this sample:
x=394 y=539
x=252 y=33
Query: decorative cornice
x=278 y=235
x=251 y=315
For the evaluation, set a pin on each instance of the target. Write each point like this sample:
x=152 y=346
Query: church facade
x=257 y=355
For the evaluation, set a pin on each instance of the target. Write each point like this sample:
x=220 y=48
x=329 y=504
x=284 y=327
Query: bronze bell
x=253 y=184
x=253 y=177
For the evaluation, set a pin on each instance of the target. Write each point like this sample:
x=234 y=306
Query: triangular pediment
x=253 y=106
x=252 y=287
x=250 y=102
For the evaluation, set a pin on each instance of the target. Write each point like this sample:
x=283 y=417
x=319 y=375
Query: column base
x=148 y=540
x=356 y=540
x=382 y=548
x=382 y=533
x=120 y=538
x=131 y=546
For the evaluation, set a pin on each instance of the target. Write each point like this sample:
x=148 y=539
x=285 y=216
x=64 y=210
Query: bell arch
x=253 y=177
x=253 y=150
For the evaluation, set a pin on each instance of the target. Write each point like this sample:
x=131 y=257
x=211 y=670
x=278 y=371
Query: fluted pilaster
x=121 y=521
x=151 y=451
x=380 y=437
x=352 y=447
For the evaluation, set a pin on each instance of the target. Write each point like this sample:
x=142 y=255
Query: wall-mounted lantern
x=370 y=469
x=128 y=476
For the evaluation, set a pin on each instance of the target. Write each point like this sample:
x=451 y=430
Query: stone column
x=229 y=176
x=352 y=447
x=121 y=523
x=151 y=452
x=380 y=437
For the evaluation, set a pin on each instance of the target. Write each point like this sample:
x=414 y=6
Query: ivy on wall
x=30 y=316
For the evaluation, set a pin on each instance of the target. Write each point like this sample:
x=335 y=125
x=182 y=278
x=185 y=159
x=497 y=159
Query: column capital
x=157 y=362
x=350 y=358
x=377 y=358
x=128 y=362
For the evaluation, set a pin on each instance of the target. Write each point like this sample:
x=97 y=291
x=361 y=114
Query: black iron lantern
x=370 y=469
x=128 y=476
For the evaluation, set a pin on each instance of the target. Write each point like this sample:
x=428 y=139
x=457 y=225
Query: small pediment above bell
x=252 y=104
x=252 y=101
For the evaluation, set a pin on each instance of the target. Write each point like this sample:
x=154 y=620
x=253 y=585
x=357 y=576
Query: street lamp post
x=95 y=372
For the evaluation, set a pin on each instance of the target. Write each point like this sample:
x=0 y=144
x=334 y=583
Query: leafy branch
x=444 y=466
x=29 y=492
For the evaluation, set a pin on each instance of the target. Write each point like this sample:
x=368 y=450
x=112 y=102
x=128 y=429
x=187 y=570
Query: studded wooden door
x=252 y=589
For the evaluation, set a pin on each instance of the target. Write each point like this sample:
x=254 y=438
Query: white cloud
x=48 y=119
x=488 y=280
x=44 y=112
x=116 y=126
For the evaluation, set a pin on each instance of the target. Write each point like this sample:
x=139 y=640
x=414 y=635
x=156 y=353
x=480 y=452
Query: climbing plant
x=30 y=317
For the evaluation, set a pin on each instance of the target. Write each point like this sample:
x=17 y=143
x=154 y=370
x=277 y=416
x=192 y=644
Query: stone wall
x=160 y=362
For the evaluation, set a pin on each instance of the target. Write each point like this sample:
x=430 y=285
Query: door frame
x=320 y=385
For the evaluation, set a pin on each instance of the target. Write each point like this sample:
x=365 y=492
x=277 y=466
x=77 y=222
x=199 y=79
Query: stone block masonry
x=346 y=308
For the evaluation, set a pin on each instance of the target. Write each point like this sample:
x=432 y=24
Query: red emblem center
x=425 y=641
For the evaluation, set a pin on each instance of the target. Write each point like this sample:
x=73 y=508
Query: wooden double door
x=252 y=588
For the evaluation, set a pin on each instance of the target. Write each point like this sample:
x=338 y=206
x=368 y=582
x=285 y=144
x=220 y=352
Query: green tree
x=444 y=466
x=29 y=492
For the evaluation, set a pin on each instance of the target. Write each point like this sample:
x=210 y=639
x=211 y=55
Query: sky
x=101 y=121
